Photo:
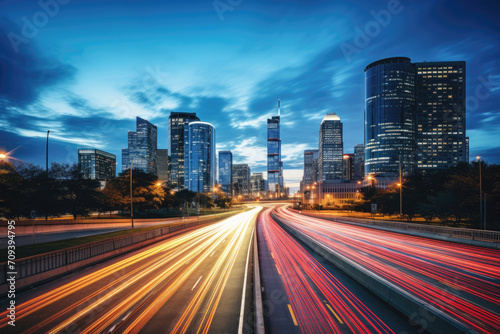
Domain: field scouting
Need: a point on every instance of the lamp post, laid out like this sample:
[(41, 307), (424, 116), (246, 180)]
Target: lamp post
[(400, 184), (480, 195), (131, 196), (47, 154)]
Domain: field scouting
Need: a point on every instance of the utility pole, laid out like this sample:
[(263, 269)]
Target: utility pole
[(131, 196)]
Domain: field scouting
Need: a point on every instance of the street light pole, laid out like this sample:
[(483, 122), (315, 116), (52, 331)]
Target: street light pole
[(131, 195), (400, 191), (480, 193), (47, 154)]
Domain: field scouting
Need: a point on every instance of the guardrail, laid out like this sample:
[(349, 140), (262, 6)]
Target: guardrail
[(42, 263), (449, 232)]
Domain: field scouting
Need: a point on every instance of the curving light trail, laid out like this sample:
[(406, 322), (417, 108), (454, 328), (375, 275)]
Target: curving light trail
[(124, 296), (459, 280), (334, 309)]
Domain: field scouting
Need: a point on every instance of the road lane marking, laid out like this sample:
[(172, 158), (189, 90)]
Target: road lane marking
[(293, 315), (212, 254), (335, 314), (242, 308), (279, 272), (195, 284)]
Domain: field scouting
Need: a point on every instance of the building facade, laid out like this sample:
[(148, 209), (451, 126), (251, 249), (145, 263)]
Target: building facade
[(142, 146), (199, 157), (96, 164), (414, 114), (331, 149), (274, 163), (359, 162), (348, 166), (226, 172), (241, 180), (310, 168), (440, 114), (257, 185), (163, 165), (176, 122), (389, 115)]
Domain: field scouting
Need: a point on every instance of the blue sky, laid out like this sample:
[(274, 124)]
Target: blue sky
[(85, 69)]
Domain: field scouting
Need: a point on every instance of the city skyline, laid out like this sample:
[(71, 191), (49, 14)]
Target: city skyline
[(91, 92)]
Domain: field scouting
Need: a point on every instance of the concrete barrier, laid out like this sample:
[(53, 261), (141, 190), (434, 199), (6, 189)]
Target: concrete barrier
[(480, 238), (258, 307), (416, 309)]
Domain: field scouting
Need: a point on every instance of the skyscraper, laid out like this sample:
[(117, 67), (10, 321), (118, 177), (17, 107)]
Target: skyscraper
[(440, 114), (226, 171), (257, 184), (241, 180), (142, 146), (199, 157), (389, 115), (310, 168), (359, 162), (348, 166), (162, 165), (331, 149), (176, 123), (274, 163), (416, 111), (96, 164)]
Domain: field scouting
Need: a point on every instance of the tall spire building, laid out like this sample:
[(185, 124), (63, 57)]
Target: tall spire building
[(274, 163)]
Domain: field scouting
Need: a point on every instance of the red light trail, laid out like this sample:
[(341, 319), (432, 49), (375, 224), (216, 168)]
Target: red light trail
[(460, 280)]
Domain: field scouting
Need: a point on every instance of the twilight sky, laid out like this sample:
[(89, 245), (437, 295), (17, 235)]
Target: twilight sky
[(85, 69)]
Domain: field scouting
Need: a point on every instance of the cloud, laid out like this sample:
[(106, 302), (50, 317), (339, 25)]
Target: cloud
[(25, 74)]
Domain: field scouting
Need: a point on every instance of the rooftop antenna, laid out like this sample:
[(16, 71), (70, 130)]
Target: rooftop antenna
[(278, 107)]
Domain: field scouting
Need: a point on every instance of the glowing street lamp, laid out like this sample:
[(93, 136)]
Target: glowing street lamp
[(3, 156)]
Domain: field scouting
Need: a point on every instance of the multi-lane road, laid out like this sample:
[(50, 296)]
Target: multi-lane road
[(197, 282), (201, 281)]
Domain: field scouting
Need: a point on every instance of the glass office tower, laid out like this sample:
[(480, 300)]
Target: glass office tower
[(359, 162), (241, 180), (96, 164), (176, 123), (310, 167), (226, 171), (440, 114), (199, 156), (162, 165), (389, 115), (142, 146), (331, 149)]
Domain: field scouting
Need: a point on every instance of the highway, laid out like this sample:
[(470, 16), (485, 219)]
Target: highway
[(195, 282), (459, 280), (304, 294)]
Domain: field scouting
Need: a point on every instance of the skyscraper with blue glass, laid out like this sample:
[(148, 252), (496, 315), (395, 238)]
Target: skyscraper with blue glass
[(142, 146), (274, 163), (199, 156), (389, 116), (226, 171), (176, 122)]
